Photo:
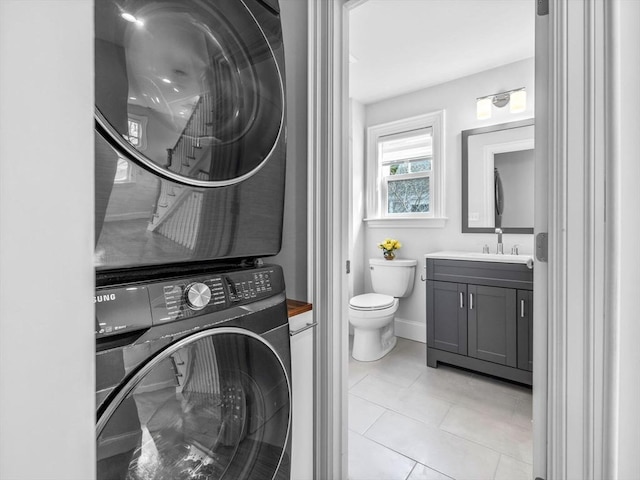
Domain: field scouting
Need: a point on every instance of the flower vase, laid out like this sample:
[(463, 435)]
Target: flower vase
[(389, 255)]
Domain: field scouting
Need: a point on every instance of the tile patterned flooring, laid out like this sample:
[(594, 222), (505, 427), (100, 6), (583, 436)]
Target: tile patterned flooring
[(411, 422)]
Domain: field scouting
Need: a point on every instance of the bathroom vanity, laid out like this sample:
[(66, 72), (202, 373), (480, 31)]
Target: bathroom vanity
[(480, 313)]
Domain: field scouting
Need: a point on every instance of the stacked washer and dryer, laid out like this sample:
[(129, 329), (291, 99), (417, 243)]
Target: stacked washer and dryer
[(192, 341)]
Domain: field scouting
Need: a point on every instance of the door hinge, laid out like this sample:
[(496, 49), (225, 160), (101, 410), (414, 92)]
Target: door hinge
[(543, 7), (348, 267), (542, 247)]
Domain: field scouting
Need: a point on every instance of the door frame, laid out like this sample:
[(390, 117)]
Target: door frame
[(585, 414), (541, 268), (326, 281), (592, 124)]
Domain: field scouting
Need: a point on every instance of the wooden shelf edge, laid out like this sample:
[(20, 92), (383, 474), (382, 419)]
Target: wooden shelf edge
[(296, 307)]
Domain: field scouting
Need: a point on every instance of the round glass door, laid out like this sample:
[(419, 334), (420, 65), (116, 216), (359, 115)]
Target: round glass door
[(190, 90), (215, 405)]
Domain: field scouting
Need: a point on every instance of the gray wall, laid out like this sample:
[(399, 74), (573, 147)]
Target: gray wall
[(293, 256)]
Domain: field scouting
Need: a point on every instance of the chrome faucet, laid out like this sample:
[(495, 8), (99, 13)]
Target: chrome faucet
[(500, 249)]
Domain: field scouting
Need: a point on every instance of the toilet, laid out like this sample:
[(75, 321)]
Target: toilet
[(371, 314)]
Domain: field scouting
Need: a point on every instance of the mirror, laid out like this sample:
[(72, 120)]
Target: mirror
[(498, 178)]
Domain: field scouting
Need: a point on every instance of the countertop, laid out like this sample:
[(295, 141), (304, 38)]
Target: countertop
[(483, 257), (296, 307)]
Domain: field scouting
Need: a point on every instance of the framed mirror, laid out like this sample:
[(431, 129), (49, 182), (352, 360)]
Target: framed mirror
[(498, 178)]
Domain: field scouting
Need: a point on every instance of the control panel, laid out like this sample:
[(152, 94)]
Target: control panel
[(247, 288), (139, 306), (185, 295), (120, 310)]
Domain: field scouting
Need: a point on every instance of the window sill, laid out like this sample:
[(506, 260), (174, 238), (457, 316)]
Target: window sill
[(406, 222)]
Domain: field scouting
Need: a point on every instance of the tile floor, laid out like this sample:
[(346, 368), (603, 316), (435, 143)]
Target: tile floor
[(411, 422)]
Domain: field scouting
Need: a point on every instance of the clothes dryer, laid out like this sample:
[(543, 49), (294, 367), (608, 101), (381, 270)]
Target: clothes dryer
[(190, 131), (193, 377)]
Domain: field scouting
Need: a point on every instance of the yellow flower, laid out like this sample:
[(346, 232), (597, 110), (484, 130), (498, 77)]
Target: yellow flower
[(389, 245)]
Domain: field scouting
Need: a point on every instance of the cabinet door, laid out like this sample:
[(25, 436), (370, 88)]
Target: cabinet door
[(302, 385), (492, 324), (447, 316), (525, 330)]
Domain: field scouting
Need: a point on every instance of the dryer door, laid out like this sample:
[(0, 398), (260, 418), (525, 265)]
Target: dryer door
[(215, 405), (189, 90)]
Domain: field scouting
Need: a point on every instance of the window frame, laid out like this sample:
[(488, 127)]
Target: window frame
[(142, 128), (386, 179), (377, 189), (130, 178), (142, 123)]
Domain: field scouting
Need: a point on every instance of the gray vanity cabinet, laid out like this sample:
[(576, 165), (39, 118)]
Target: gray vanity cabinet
[(480, 317)]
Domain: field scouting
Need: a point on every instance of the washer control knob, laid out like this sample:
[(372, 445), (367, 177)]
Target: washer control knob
[(197, 295)]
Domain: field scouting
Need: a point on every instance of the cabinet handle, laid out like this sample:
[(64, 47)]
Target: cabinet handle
[(461, 300), (522, 308), (471, 301), (300, 330)]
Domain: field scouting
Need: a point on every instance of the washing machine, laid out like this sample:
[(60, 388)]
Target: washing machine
[(190, 132), (193, 377)]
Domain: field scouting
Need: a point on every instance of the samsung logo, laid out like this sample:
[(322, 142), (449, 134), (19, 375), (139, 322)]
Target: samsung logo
[(107, 297)]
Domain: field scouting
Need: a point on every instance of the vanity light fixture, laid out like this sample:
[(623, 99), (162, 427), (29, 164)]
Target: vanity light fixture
[(517, 99)]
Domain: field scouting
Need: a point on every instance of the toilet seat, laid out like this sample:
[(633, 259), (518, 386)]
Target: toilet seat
[(371, 302)]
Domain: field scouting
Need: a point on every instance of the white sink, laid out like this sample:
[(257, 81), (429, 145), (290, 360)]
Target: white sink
[(483, 257)]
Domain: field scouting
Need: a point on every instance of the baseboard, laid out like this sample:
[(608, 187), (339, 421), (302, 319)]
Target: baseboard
[(411, 330), (119, 217)]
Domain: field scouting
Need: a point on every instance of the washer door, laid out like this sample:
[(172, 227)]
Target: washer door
[(215, 405), (190, 90)]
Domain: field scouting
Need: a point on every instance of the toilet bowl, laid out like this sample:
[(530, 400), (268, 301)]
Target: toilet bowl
[(372, 314)]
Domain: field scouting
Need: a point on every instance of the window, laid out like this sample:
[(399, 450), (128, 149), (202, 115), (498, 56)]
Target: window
[(137, 127), (405, 161), (135, 133), (124, 172), (405, 179)]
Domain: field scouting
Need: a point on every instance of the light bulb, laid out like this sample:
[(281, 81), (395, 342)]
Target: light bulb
[(518, 102), (128, 17), (483, 108)]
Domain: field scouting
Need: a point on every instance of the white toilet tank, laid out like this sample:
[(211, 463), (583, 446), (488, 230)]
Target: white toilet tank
[(392, 277)]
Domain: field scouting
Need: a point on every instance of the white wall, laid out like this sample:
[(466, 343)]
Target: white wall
[(47, 362), (293, 256), (458, 99)]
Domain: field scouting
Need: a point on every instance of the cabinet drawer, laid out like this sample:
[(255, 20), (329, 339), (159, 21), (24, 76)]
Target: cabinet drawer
[(507, 275)]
